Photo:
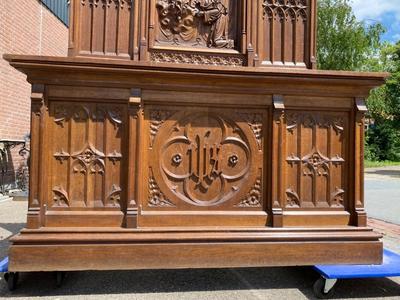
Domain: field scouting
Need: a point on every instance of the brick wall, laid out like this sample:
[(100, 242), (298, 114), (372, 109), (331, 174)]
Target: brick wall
[(26, 27)]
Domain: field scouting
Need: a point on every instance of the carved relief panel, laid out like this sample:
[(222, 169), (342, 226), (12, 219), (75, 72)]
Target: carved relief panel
[(204, 159), (316, 158), (197, 23), (103, 28), (210, 29), (287, 32), (86, 155)]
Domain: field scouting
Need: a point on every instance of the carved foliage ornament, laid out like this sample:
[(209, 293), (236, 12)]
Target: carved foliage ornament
[(114, 197), (195, 23), (254, 197), (255, 121), (82, 113), (157, 117), (156, 197), (197, 59), (309, 121), (107, 3), (61, 197)]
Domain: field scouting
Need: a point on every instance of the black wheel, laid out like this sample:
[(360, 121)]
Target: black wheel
[(12, 280), (6, 276), (319, 289), (60, 278)]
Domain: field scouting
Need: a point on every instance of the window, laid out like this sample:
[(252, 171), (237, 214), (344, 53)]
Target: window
[(59, 8)]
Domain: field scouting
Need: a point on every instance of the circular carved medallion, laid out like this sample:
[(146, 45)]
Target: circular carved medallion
[(203, 158)]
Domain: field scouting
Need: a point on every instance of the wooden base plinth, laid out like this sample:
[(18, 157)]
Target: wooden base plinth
[(84, 249)]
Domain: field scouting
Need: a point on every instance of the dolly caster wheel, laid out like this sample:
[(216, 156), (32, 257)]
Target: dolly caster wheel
[(12, 280), (324, 288), (60, 278)]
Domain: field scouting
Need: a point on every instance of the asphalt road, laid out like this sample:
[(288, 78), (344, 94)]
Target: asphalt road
[(382, 195)]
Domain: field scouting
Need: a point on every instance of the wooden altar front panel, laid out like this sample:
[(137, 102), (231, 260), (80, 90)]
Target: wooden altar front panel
[(204, 166), (145, 160), (257, 33), (122, 160)]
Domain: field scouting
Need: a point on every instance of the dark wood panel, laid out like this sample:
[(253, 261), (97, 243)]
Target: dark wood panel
[(223, 32), (241, 166), (86, 156), (102, 28), (189, 255)]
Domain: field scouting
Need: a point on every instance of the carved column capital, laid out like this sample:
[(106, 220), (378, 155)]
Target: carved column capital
[(279, 107), (136, 97), (361, 109), (279, 102), (37, 92)]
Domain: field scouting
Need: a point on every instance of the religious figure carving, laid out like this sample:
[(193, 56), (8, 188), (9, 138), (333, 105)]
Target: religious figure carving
[(215, 14), (198, 22)]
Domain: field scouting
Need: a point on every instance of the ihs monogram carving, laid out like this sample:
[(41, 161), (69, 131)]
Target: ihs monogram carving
[(156, 197), (197, 59), (195, 23), (254, 197), (108, 3), (204, 159), (282, 9)]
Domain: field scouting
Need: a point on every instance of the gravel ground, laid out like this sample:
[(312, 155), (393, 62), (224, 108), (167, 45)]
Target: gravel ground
[(257, 283)]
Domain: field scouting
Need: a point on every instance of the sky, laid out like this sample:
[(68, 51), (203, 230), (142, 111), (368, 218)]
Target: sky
[(385, 11)]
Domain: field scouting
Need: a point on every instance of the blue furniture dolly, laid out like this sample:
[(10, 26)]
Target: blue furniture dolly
[(12, 277), (330, 274), (323, 288)]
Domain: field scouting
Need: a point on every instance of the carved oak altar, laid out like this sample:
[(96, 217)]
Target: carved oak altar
[(170, 138)]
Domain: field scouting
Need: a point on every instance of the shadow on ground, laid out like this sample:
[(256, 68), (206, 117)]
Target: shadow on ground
[(181, 281), (11, 229)]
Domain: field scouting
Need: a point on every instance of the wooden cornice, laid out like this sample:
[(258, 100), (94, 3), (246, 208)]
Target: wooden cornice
[(119, 73)]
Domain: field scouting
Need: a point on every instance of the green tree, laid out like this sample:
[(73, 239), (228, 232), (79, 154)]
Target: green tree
[(344, 43), (383, 138)]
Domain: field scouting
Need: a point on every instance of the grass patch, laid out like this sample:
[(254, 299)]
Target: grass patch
[(378, 164)]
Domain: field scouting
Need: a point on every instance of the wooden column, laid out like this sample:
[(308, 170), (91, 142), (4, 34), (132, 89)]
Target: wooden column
[(359, 211), (143, 32), (277, 160), (133, 132), (38, 162), (313, 35)]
